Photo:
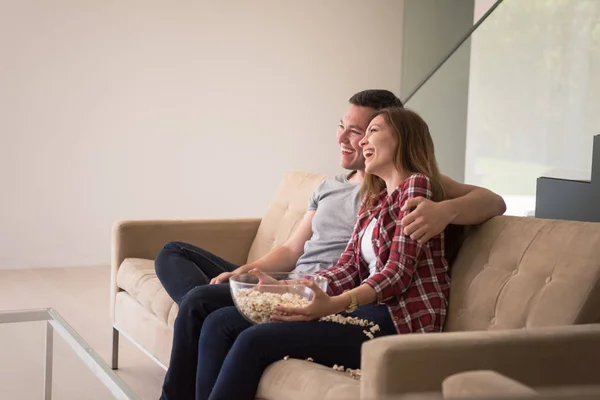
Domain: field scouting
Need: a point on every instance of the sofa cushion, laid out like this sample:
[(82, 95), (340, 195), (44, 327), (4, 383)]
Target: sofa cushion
[(143, 327), (298, 379), (285, 212), (137, 277), (516, 272)]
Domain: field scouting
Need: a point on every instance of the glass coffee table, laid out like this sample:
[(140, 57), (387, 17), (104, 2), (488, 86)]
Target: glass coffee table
[(41, 356)]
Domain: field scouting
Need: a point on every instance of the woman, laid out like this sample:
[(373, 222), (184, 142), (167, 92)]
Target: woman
[(383, 276)]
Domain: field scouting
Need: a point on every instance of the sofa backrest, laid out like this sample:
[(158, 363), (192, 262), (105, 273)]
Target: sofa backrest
[(517, 272), (285, 212)]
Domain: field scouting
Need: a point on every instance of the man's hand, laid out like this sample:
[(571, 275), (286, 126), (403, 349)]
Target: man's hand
[(264, 279), (427, 220), (223, 278)]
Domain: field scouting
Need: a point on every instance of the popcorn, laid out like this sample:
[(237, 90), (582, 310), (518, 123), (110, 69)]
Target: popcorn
[(286, 358), (354, 373), (353, 321), (310, 359), (259, 306), (346, 320)]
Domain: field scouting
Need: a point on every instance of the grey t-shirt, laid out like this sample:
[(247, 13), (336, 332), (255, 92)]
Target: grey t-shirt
[(336, 201)]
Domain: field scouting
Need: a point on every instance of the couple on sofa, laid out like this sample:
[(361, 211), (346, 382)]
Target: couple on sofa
[(378, 234)]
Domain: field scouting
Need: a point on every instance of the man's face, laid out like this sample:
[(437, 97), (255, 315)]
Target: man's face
[(351, 130)]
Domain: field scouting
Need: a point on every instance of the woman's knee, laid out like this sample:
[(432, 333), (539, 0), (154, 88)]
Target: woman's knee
[(255, 337)]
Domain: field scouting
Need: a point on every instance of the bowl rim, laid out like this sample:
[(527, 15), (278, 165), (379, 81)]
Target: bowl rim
[(316, 278)]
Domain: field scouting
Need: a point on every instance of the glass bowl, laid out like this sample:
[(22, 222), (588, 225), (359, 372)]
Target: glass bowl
[(256, 301)]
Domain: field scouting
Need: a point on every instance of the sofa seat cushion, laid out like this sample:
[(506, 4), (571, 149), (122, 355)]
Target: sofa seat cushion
[(298, 379), (137, 277)]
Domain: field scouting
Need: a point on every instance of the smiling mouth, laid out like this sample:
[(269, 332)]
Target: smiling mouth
[(368, 153), (346, 151)]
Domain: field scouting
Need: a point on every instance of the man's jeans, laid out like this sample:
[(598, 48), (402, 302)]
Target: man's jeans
[(185, 271)]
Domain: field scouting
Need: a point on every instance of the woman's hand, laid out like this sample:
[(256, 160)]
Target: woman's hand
[(320, 306)]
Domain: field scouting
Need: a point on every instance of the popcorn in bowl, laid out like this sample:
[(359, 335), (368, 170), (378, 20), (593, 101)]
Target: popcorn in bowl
[(256, 298)]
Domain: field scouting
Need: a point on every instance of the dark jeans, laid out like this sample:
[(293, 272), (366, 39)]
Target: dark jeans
[(185, 271), (235, 353), (181, 267)]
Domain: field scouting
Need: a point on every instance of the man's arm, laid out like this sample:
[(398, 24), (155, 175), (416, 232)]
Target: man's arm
[(282, 258), (467, 205)]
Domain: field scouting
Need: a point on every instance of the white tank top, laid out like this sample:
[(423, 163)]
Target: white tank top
[(366, 247)]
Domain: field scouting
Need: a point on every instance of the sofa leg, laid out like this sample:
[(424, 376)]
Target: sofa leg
[(115, 349)]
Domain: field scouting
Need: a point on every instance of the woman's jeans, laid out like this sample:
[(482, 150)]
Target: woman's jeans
[(185, 271), (233, 353)]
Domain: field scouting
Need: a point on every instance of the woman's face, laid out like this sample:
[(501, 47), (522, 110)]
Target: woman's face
[(379, 147)]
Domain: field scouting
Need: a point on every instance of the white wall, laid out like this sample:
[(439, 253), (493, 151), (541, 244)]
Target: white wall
[(481, 7), (170, 109), (431, 29)]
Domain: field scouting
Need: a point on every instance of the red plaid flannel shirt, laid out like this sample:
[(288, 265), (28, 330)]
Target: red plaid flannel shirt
[(411, 278)]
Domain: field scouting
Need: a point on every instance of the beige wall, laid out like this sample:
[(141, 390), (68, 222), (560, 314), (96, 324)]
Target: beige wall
[(170, 109)]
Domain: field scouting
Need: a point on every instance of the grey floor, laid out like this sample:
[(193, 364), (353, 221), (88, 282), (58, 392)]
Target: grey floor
[(81, 296)]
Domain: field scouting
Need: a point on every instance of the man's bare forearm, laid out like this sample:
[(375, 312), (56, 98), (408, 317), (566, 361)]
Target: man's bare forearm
[(280, 259), (475, 207)]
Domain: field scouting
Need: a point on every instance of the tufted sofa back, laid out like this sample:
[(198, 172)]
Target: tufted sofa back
[(510, 272), (285, 212), (514, 272)]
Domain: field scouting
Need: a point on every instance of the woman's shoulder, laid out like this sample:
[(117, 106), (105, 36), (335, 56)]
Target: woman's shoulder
[(414, 182), (417, 179), (415, 185)]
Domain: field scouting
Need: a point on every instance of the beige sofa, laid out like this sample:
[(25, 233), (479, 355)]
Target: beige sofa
[(488, 384), (512, 275), (559, 362)]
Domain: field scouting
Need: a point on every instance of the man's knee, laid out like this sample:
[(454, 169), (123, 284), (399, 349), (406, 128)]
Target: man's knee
[(161, 262), (171, 247), (193, 300), (215, 320), (202, 299)]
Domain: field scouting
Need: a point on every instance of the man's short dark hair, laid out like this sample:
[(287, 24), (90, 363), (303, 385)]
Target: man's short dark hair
[(377, 99)]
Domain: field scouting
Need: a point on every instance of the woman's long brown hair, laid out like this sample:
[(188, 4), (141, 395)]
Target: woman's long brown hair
[(415, 153)]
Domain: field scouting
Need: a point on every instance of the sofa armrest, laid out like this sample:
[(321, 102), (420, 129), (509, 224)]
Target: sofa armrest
[(227, 238), (402, 364), (484, 385)]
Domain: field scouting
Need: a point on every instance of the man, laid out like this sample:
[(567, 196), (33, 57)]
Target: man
[(317, 243)]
